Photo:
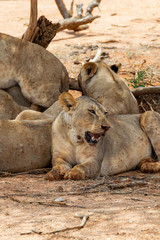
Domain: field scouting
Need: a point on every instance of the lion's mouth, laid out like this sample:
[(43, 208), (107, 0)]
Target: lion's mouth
[(93, 138)]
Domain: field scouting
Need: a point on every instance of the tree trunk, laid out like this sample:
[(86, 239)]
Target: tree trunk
[(45, 32), (32, 22)]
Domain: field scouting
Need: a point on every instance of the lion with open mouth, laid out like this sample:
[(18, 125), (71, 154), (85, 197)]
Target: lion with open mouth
[(77, 135), (87, 142)]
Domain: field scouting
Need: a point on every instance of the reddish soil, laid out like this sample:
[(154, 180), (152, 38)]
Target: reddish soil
[(126, 206)]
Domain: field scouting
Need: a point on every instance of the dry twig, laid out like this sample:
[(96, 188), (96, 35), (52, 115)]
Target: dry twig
[(48, 203), (83, 222)]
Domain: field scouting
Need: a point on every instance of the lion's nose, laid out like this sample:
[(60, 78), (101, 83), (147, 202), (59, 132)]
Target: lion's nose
[(104, 127)]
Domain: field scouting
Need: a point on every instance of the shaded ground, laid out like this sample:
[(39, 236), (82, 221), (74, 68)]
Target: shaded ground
[(126, 206), (120, 207)]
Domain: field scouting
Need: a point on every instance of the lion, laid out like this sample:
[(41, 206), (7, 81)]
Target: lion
[(25, 145), (87, 142), (99, 81), (41, 76), (49, 114)]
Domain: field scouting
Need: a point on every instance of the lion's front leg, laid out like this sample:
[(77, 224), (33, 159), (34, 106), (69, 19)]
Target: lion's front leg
[(60, 167), (89, 169), (150, 123)]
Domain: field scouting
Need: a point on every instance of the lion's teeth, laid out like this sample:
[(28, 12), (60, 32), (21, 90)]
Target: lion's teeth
[(95, 137)]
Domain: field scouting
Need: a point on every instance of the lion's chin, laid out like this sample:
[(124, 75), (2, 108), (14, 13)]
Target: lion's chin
[(93, 138)]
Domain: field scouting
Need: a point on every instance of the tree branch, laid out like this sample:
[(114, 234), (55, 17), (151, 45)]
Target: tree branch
[(92, 5), (62, 8), (79, 8), (32, 22), (73, 23)]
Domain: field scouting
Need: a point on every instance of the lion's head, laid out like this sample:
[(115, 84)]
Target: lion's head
[(101, 82), (86, 117)]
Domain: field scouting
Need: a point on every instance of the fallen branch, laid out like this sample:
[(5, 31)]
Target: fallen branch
[(92, 5), (43, 31), (146, 90), (83, 222), (49, 203), (73, 23)]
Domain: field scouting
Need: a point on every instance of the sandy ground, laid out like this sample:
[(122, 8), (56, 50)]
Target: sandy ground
[(120, 207)]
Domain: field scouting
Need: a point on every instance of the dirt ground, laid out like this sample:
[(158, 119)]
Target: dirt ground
[(126, 206)]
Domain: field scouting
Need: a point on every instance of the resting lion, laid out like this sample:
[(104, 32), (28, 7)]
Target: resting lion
[(86, 142), (99, 81), (24, 145), (40, 75)]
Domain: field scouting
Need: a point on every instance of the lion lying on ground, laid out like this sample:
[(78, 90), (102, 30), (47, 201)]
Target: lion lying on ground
[(99, 81), (87, 142), (24, 145)]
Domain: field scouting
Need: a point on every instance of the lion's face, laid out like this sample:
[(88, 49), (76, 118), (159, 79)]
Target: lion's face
[(88, 118)]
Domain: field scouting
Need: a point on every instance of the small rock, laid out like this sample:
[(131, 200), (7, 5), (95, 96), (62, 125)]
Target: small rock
[(74, 53), (59, 200)]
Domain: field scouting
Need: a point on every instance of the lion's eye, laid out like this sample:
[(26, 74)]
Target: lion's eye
[(106, 113), (92, 112)]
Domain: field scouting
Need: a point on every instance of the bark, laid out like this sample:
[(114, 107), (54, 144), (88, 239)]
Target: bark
[(45, 32), (32, 22)]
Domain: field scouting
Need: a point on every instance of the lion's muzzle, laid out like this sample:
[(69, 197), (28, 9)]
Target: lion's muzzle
[(94, 138)]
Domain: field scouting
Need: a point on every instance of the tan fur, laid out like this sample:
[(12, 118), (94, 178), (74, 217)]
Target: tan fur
[(69, 145), (128, 141), (15, 92), (24, 145), (9, 109), (33, 115), (50, 114), (40, 75), (98, 81)]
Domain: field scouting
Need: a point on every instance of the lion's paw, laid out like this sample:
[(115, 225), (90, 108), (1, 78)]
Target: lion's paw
[(55, 174), (150, 167), (75, 174), (144, 160), (147, 165)]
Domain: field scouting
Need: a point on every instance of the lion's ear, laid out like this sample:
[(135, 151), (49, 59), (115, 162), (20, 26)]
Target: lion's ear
[(89, 69), (67, 101), (115, 67)]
